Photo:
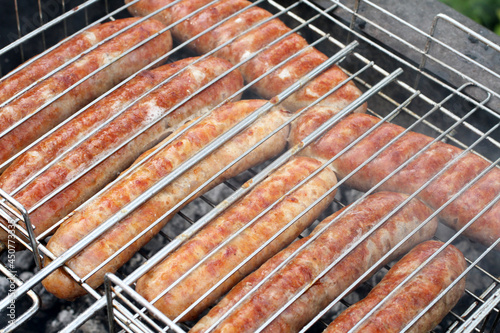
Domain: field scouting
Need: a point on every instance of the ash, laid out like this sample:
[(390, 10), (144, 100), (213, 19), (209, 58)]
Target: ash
[(54, 313)]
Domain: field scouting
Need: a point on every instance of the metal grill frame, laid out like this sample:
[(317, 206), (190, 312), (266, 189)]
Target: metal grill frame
[(116, 287)]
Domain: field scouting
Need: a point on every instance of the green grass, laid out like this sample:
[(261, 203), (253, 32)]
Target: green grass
[(484, 12)]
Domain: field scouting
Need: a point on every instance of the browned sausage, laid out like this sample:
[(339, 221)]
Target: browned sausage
[(118, 131), (12, 84), (410, 299), (113, 199), (485, 230), (255, 40), (61, 140), (228, 257), (169, 15), (314, 258), (244, 287), (49, 116), (206, 19)]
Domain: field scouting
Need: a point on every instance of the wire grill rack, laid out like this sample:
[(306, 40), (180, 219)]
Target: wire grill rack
[(428, 84)]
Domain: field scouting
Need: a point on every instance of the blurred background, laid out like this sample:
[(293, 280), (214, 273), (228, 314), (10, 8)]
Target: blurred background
[(484, 12)]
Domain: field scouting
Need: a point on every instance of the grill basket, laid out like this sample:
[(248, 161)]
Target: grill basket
[(428, 73)]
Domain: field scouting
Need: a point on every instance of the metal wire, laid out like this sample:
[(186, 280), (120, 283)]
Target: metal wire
[(18, 24), (146, 230), (36, 302), (59, 261), (319, 232), (129, 320), (460, 26)]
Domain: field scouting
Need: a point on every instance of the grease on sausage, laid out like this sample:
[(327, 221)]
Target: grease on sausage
[(486, 229), (96, 212), (71, 101), (225, 259), (314, 258), (397, 311)]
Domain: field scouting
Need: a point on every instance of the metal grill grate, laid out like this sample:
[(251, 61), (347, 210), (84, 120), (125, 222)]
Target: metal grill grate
[(431, 95)]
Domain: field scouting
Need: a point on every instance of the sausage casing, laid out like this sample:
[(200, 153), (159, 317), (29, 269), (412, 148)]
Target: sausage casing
[(61, 140), (60, 55), (225, 259), (255, 40), (486, 229), (69, 102), (411, 298), (134, 119), (112, 199), (315, 257)]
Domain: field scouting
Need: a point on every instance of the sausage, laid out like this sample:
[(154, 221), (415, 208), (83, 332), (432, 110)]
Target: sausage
[(61, 140), (170, 15), (206, 19), (69, 102), (203, 21), (309, 121), (244, 287), (135, 118), (256, 40), (225, 259), (159, 165), (413, 297), (485, 230), (315, 257), (14, 83)]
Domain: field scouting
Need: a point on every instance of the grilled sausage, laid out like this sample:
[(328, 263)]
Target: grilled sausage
[(69, 102), (71, 48), (413, 297), (308, 122), (135, 118), (169, 15), (225, 259), (314, 258), (212, 36), (485, 230), (255, 40), (60, 141), (244, 287), (158, 166)]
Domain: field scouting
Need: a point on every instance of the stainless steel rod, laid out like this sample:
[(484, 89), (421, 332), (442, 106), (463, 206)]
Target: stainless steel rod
[(46, 26), (160, 147), (59, 261), (85, 137), (310, 138)]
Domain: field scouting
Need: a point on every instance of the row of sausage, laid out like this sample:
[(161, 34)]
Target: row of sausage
[(177, 108)]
